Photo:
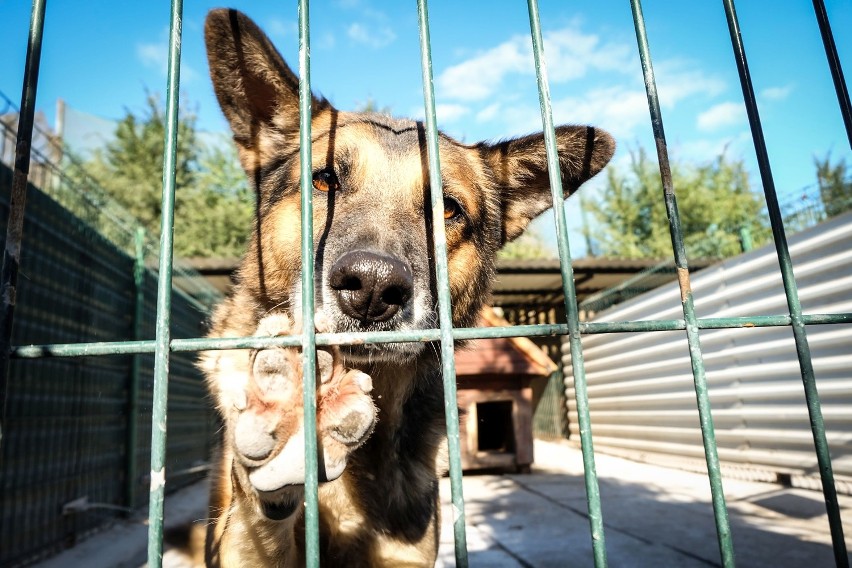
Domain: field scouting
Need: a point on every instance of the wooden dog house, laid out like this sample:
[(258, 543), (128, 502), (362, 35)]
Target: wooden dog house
[(496, 399)]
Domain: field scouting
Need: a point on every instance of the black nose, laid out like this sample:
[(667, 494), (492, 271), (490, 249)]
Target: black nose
[(370, 287)]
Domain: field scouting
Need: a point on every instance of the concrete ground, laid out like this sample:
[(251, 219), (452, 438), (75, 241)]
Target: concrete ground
[(653, 517)]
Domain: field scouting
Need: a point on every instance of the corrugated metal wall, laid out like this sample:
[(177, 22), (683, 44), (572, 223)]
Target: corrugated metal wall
[(67, 427), (641, 392)]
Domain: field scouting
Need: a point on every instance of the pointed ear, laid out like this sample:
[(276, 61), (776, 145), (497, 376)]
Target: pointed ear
[(255, 87), (519, 167)]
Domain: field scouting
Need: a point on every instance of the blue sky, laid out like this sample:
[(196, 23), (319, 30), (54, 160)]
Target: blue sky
[(101, 59)]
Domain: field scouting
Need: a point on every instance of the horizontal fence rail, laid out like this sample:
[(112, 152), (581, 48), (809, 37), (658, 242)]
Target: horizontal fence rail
[(164, 345)]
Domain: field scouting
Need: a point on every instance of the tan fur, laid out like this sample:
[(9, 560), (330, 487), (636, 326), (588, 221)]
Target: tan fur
[(383, 509)]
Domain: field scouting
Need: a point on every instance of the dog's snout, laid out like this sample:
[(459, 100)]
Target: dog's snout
[(371, 287)]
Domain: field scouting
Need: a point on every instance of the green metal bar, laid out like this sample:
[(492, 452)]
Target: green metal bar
[(18, 201), (591, 328), (720, 509), (164, 298), (135, 369), (593, 497), (312, 555), (448, 364), (791, 290), (835, 67)]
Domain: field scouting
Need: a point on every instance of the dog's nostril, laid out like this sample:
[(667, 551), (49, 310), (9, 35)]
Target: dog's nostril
[(394, 296), (371, 287), (350, 283)]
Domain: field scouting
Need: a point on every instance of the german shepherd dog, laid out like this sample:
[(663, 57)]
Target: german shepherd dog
[(380, 408)]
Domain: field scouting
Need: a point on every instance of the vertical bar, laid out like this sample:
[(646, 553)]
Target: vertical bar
[(834, 66), (444, 307), (708, 434), (312, 558), (791, 290), (164, 298), (593, 497), (18, 200), (135, 369)]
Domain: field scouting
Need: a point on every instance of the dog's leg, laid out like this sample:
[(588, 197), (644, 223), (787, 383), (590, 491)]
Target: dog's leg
[(260, 397)]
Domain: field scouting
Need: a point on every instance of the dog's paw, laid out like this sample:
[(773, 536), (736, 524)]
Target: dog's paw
[(268, 432)]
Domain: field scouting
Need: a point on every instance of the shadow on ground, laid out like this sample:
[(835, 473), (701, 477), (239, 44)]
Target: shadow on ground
[(653, 517)]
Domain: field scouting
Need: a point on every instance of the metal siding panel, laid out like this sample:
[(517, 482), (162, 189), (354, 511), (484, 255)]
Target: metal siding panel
[(640, 384)]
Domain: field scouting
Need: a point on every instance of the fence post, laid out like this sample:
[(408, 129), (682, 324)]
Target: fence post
[(791, 291), (448, 368), (708, 433), (164, 298), (309, 378), (18, 201), (135, 368)]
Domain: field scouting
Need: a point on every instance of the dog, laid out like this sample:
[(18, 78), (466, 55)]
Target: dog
[(380, 408)]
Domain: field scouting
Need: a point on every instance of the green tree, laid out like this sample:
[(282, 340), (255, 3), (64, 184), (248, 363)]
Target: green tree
[(130, 166), (714, 199), (835, 185), (215, 214), (213, 204)]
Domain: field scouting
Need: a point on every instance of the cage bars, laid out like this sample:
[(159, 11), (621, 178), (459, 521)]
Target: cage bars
[(790, 290), (590, 478), (834, 67), (18, 200), (439, 242), (421, 335), (164, 297), (308, 336), (163, 345), (708, 434)]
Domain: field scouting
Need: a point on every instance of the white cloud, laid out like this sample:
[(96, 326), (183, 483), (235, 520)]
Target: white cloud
[(678, 80), (704, 149), (721, 116), (450, 112), (569, 54), (478, 77), (488, 112), (374, 37), (595, 80), (776, 93), (280, 29), (156, 56)]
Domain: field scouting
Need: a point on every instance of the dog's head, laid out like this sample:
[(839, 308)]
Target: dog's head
[(373, 236)]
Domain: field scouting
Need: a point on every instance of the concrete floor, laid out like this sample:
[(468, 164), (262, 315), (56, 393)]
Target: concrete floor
[(653, 517)]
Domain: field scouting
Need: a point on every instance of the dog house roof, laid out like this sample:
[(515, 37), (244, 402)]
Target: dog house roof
[(503, 356)]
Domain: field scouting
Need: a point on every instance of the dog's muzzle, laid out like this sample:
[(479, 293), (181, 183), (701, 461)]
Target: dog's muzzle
[(369, 287)]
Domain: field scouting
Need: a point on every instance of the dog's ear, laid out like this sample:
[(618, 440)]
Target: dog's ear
[(519, 167), (255, 87)]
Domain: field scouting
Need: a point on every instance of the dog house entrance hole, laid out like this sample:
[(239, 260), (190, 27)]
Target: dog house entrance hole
[(495, 432)]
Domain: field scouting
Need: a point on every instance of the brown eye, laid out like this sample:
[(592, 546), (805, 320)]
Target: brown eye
[(452, 209), (326, 180)]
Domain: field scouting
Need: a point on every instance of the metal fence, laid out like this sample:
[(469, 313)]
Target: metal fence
[(76, 432), (639, 393), (164, 346)]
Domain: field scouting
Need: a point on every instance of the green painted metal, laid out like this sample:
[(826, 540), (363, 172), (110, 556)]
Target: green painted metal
[(443, 287), (835, 67), (18, 201), (163, 345), (593, 497), (591, 328), (312, 555), (135, 370), (720, 510), (791, 290), (164, 297)]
